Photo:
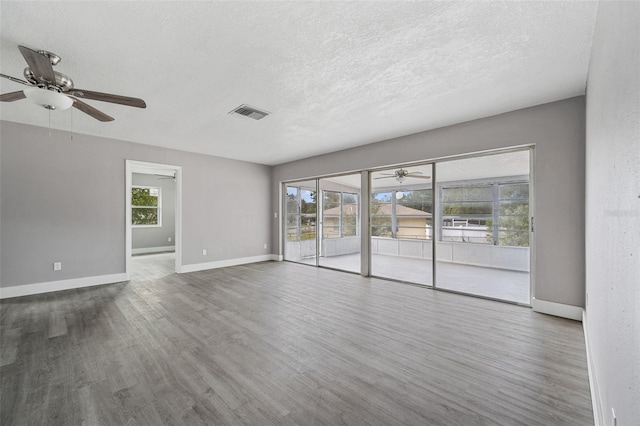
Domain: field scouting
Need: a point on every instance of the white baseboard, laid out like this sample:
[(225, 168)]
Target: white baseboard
[(277, 257), (598, 418), (557, 309), (46, 287), (225, 263), (146, 250)]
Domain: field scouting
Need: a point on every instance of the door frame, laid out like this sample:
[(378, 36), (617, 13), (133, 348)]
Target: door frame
[(132, 166)]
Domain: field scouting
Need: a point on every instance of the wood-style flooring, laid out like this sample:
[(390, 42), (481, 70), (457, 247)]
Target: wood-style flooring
[(279, 343)]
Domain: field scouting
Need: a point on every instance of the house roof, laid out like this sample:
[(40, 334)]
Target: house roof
[(334, 75), (385, 210)]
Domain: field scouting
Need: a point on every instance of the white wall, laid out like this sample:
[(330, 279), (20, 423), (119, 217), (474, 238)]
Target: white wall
[(613, 211), (556, 129), (64, 200)]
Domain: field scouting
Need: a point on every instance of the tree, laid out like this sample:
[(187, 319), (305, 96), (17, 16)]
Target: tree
[(513, 225), (144, 203), (380, 225), (418, 199)]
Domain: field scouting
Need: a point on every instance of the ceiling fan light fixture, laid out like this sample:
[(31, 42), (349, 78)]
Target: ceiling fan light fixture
[(50, 99)]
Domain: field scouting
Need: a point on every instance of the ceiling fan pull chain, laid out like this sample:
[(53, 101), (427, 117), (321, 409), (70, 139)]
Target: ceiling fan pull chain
[(49, 124), (71, 112)]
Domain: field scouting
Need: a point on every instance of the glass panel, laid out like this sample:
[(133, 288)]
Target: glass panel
[(144, 197), (144, 216), (300, 218), (519, 191), (514, 239), (340, 243), (308, 211), (514, 215), (468, 193), (292, 214), (401, 217), (483, 236), (514, 208)]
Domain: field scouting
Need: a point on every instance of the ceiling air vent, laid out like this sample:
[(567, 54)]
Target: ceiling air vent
[(249, 111)]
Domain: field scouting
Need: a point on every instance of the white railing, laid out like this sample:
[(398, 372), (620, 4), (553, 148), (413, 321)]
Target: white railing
[(486, 255)]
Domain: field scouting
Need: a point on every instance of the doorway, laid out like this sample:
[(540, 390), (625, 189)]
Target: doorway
[(153, 219)]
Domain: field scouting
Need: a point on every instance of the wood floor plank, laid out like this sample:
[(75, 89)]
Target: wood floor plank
[(284, 344)]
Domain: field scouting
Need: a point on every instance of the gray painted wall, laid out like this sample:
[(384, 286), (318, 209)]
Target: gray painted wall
[(64, 200), (557, 130), (613, 210), (157, 236)]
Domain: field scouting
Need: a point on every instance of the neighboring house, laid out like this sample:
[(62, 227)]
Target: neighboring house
[(335, 226), (410, 223)]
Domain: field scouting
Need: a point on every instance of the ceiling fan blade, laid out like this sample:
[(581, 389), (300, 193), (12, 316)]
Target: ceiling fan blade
[(419, 177), (414, 173), (107, 97), (16, 80), (88, 109), (40, 65), (13, 96), (385, 177)]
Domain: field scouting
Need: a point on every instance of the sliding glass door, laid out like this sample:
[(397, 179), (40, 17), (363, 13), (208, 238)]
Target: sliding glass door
[(484, 227), (322, 222), (340, 222), (461, 225), (301, 222), (401, 218)]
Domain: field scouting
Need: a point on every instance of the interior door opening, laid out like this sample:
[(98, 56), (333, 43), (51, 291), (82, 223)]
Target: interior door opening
[(153, 219)]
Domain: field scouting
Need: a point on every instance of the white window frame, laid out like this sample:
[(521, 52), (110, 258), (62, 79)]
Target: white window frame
[(159, 207)]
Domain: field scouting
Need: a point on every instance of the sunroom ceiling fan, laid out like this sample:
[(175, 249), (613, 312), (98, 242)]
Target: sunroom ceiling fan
[(401, 174), (54, 90)]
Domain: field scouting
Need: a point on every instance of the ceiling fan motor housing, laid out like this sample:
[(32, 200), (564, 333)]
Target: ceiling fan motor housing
[(63, 82)]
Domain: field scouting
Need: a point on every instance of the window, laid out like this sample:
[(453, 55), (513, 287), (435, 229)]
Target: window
[(146, 205), (381, 215), (350, 209), (340, 214), (494, 213), (402, 214), (513, 217), (301, 213), (467, 213)]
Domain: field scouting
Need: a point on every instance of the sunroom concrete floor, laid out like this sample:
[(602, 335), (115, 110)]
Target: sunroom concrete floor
[(512, 286)]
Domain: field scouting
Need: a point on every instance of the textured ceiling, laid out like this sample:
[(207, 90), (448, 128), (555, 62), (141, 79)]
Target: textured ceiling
[(333, 74)]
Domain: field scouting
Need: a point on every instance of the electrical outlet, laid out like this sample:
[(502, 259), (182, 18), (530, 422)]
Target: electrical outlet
[(275, 215), (204, 252), (265, 245), (169, 239), (57, 266)]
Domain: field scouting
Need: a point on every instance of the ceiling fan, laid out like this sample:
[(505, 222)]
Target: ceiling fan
[(401, 174), (54, 90)]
